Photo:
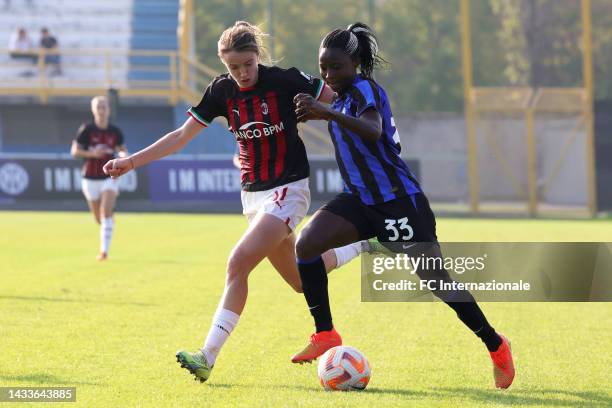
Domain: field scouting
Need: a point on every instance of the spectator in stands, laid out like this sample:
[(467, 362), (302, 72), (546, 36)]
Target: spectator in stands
[(20, 46), (7, 4), (50, 44), (96, 143)]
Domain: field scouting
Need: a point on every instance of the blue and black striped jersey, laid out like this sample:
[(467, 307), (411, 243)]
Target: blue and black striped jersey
[(374, 172)]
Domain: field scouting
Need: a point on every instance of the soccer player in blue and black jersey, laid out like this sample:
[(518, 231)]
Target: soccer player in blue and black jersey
[(382, 197)]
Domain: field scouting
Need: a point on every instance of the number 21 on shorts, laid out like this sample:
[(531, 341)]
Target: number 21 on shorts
[(399, 229)]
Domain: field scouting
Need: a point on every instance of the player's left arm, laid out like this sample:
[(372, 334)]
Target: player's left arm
[(368, 125)]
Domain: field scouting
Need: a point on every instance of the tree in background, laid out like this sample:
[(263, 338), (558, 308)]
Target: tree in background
[(515, 42)]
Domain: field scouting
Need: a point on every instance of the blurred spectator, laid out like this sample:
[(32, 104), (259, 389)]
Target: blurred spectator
[(7, 4), (20, 46), (50, 44)]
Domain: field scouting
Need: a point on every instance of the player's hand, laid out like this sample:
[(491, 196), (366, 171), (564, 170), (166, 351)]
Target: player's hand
[(118, 167), (308, 108)]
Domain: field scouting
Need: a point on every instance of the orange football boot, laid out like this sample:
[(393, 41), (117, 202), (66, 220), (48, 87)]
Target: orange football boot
[(319, 343), (503, 366)]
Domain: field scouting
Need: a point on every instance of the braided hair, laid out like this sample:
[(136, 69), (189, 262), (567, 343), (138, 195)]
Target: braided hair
[(359, 42)]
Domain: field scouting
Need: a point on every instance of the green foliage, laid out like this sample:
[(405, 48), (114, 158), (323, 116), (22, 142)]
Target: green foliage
[(515, 42)]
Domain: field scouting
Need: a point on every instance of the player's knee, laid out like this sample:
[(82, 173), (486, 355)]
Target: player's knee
[(297, 286), (106, 213), (306, 247), (237, 268)]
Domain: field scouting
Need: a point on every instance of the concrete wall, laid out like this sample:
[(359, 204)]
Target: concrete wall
[(439, 142)]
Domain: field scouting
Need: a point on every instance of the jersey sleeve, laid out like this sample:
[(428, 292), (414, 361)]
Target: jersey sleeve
[(209, 107), (363, 97), (82, 137), (300, 82)]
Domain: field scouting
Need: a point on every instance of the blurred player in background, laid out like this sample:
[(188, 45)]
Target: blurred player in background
[(382, 197), (96, 143), (257, 101)]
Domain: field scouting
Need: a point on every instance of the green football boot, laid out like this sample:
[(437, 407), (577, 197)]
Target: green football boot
[(196, 364)]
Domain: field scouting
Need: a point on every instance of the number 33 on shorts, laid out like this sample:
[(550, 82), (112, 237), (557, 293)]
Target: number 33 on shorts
[(399, 229)]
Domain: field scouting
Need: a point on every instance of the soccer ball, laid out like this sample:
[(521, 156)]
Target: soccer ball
[(343, 368)]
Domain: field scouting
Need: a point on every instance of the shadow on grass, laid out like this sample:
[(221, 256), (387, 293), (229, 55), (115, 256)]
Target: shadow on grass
[(295, 387), (399, 393), (263, 386), (43, 380), (533, 397), (49, 299), (544, 397)]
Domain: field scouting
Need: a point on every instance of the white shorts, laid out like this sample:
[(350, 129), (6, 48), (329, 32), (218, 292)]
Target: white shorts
[(92, 189), (288, 202)]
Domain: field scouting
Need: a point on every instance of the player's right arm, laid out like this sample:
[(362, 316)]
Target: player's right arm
[(166, 145)]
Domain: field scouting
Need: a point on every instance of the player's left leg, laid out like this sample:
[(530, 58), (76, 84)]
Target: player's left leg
[(283, 260), (421, 219), (108, 198), (94, 208)]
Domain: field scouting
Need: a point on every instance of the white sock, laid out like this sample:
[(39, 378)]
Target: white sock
[(222, 325), (346, 253), (106, 234)]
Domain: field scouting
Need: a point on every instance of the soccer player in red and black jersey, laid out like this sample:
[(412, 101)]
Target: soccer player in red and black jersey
[(96, 143), (257, 102)]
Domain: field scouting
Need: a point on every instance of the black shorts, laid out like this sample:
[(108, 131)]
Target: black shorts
[(407, 219)]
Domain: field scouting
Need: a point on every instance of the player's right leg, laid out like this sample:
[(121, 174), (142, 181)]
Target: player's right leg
[(94, 208), (91, 191), (282, 259), (423, 224), (264, 234), (324, 231)]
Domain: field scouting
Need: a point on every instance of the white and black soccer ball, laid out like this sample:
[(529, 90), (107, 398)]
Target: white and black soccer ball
[(344, 368)]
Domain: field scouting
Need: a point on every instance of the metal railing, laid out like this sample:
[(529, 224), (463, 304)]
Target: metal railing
[(162, 75), (88, 72)]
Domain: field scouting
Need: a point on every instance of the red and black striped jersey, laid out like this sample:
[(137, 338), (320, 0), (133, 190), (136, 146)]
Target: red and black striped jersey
[(88, 137), (262, 118)]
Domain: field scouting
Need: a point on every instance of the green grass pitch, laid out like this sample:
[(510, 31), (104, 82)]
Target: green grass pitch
[(111, 329)]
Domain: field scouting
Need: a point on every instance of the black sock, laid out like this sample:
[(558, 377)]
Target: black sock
[(314, 285), (471, 315), (464, 304)]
